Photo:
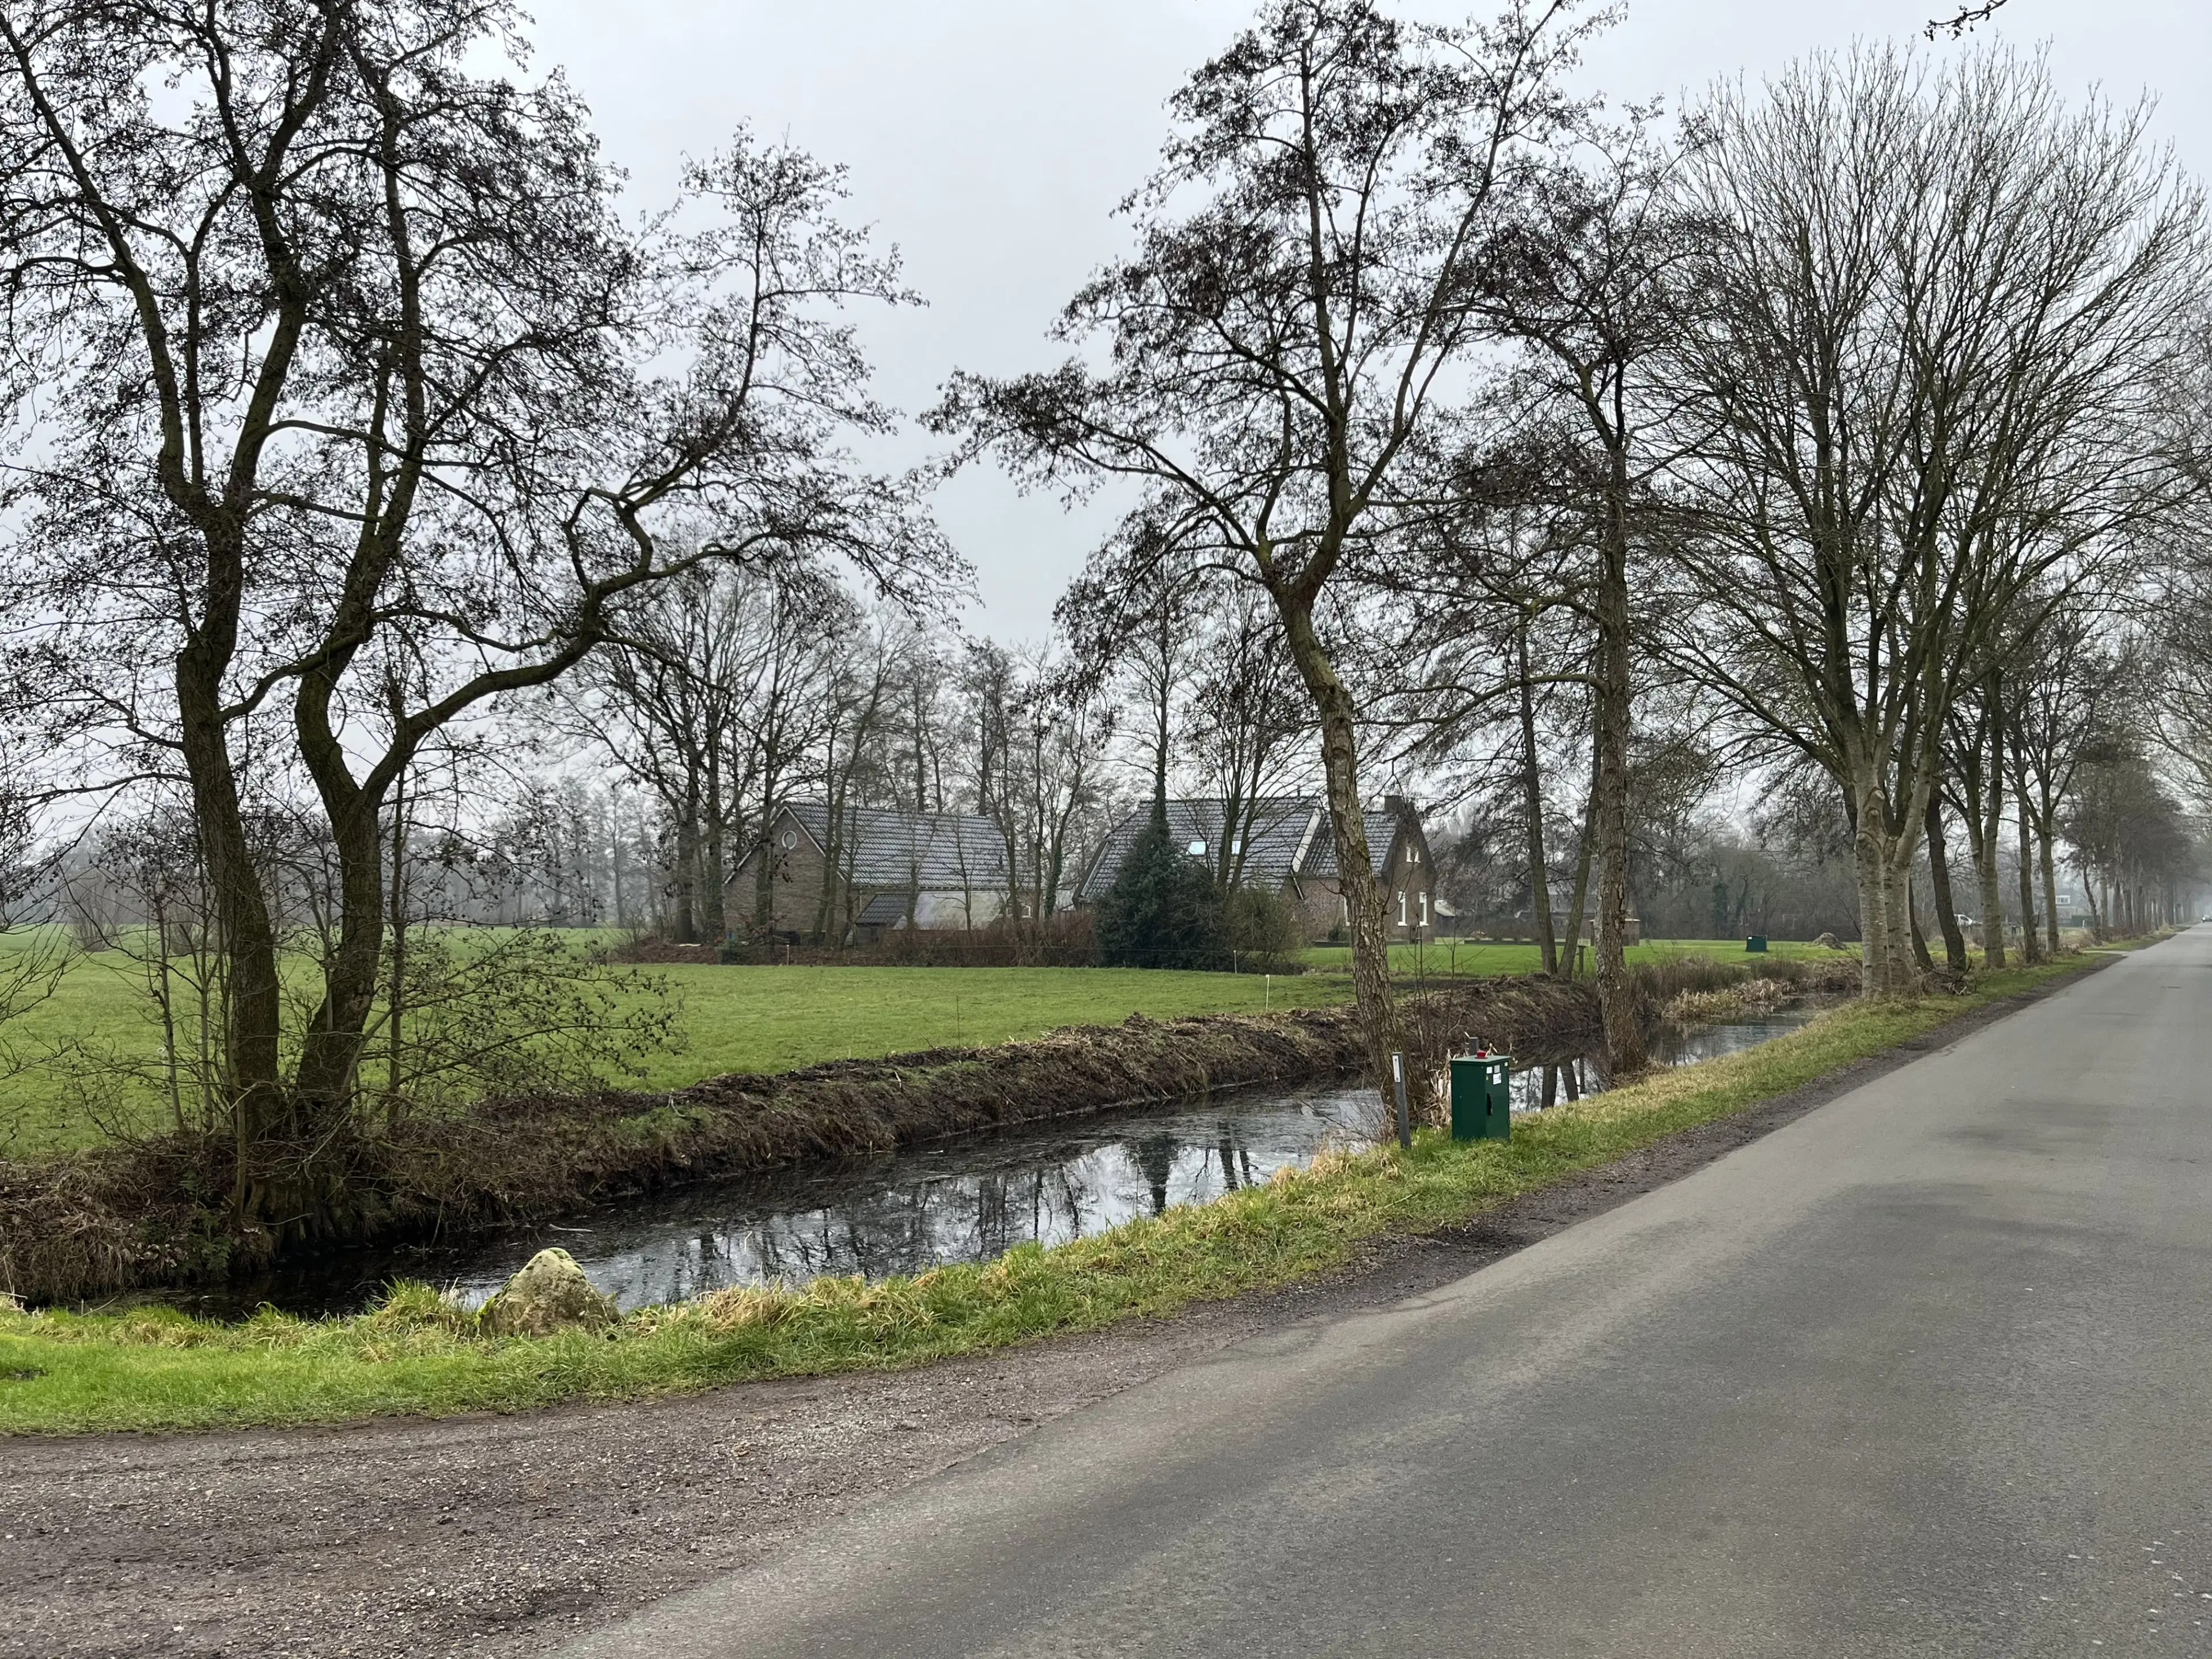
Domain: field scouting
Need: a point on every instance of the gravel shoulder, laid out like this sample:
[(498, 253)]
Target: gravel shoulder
[(500, 1535)]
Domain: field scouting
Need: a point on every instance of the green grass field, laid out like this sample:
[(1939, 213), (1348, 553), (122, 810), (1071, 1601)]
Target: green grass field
[(775, 1018), (731, 1020), (156, 1368), (1443, 959)]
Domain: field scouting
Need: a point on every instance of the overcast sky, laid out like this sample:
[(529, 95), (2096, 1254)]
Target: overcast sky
[(991, 139)]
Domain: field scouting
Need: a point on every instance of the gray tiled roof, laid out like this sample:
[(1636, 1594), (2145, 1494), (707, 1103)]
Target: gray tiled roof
[(1286, 836), (884, 848), (1283, 836), (1381, 830), (884, 910)]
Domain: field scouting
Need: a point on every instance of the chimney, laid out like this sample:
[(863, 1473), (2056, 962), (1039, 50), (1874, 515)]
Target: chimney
[(1395, 804)]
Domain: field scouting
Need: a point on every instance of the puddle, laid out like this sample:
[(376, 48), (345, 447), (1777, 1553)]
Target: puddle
[(965, 1201)]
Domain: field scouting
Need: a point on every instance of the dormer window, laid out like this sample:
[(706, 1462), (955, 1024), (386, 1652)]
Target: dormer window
[(1198, 850)]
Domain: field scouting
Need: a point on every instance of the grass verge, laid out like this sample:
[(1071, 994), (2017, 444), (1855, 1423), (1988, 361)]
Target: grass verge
[(155, 1369)]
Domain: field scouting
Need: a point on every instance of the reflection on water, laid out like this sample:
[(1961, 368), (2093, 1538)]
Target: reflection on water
[(967, 1201), (1535, 1087)]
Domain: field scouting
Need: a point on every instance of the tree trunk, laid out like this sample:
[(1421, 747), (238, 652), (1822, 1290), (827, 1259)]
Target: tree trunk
[(251, 1086), (1990, 836), (1532, 804), (1624, 1037), (2049, 883), (1355, 872), (1939, 880), (1577, 905), (1888, 967), (714, 921), (1920, 956), (2031, 939), (687, 872)]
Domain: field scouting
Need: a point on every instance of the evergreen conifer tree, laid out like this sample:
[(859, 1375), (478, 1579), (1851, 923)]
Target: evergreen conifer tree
[(1163, 910)]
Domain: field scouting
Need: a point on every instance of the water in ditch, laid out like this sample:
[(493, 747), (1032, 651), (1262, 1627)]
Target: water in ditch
[(963, 1200)]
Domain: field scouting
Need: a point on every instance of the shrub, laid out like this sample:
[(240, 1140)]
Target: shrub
[(1264, 932), (1163, 910)]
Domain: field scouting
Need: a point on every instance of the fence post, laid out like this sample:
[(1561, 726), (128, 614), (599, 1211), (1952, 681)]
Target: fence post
[(1405, 1117)]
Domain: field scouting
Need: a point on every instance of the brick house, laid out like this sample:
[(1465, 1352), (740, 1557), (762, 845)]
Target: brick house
[(1287, 846), (882, 868)]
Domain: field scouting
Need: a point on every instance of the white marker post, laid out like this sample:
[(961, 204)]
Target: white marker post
[(1405, 1117)]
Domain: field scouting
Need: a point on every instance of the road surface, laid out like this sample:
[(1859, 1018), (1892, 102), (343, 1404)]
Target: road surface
[(1924, 1372)]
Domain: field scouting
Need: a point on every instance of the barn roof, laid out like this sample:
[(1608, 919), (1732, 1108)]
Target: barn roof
[(886, 847), (1382, 831), (1287, 835)]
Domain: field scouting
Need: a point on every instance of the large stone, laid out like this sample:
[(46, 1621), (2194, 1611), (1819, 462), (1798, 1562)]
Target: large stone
[(549, 1294)]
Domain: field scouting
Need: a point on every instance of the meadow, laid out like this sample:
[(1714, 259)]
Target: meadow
[(749, 1018)]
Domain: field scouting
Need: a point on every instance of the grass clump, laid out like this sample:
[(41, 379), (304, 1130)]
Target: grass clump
[(152, 1368)]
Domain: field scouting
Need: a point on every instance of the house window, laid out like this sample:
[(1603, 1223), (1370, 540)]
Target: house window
[(1424, 910), (1198, 850), (790, 839), (1401, 909)]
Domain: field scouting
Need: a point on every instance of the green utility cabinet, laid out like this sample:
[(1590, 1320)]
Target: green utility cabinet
[(1481, 1098), (1756, 944)]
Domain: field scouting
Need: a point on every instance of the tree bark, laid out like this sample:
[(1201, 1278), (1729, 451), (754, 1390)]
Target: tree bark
[(1888, 968), (2050, 884), (248, 940), (714, 921), (687, 872), (2031, 939), (1532, 804), (1624, 1037), (1990, 836), (1577, 905), (1939, 880), (1363, 899)]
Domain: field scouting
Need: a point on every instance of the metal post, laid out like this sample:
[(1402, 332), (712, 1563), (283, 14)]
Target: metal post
[(1405, 1117)]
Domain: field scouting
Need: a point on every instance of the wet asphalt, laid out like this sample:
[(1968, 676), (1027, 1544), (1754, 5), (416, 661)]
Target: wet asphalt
[(1926, 1371)]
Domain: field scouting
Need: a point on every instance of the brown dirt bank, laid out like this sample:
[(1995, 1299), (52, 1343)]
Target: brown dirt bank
[(152, 1212), (502, 1536)]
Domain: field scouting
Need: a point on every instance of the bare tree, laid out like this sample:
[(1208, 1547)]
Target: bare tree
[(1921, 346), (1246, 714), (341, 367), (1277, 340), (1579, 276)]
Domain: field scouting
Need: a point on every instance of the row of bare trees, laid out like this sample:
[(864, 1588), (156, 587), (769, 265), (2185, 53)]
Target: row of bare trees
[(1849, 427), (1826, 427)]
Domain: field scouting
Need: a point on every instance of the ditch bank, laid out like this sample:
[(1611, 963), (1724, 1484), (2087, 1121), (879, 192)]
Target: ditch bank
[(152, 1213)]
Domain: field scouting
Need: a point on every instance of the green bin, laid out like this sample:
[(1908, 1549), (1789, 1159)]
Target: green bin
[(1756, 945), (1481, 1098)]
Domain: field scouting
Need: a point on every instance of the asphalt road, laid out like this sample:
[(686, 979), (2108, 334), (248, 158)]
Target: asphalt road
[(1924, 1372)]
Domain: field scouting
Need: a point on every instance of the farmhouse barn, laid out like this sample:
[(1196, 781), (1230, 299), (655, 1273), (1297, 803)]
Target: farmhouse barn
[(1285, 846), (878, 868)]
